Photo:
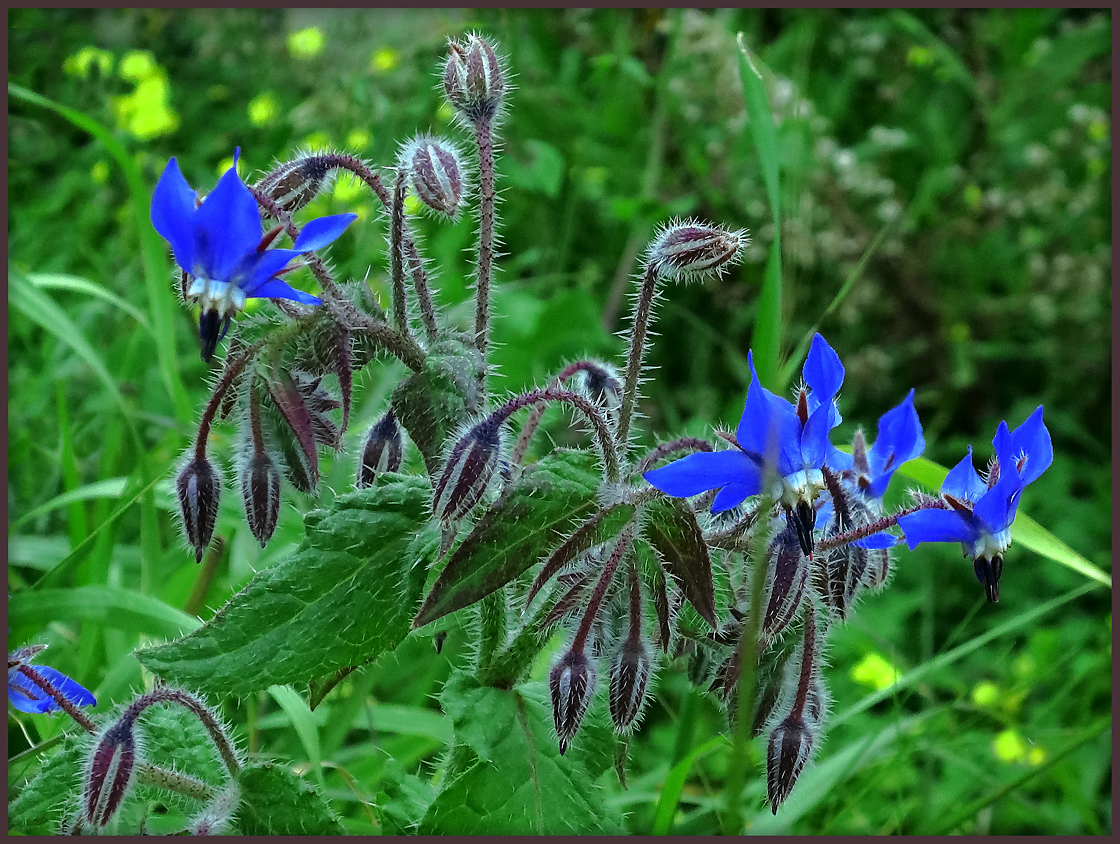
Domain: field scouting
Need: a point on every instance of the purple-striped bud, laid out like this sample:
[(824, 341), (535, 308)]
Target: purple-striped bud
[(199, 488), (473, 79), (630, 672), (601, 384), (470, 468), (791, 744), (572, 683), (382, 452), (435, 171), (689, 250), (295, 183), (110, 772), (787, 587), (260, 490)]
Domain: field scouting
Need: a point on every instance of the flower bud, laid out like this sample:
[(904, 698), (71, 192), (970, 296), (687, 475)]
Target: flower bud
[(294, 184), (787, 587), (382, 452), (473, 79), (260, 489), (684, 251), (300, 455), (468, 472), (216, 818), (602, 385), (630, 672), (572, 683), (110, 771), (436, 174), (791, 744), (318, 403), (199, 489)]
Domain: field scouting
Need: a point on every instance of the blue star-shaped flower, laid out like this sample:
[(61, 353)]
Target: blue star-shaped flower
[(25, 696), (773, 436), (982, 511), (219, 244)]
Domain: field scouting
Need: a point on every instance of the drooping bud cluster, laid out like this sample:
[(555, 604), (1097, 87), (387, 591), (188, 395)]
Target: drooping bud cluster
[(435, 172), (689, 250), (473, 79), (295, 183), (382, 452), (110, 771), (468, 471)]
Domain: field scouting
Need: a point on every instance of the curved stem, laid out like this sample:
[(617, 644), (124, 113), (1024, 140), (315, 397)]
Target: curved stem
[(636, 352), (229, 374), (601, 587), (535, 415), (396, 258), (672, 447)]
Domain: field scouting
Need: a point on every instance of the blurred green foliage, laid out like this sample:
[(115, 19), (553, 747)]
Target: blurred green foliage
[(975, 145)]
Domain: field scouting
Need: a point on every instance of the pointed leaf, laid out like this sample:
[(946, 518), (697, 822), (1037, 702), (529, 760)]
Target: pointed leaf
[(674, 534), (345, 597), (545, 501)]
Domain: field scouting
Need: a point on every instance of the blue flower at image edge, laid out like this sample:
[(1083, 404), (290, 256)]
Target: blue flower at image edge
[(219, 244), (25, 696), (982, 511), (773, 436)]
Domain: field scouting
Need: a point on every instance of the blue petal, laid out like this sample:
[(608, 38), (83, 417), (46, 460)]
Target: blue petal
[(172, 214), (1032, 438), (258, 267), (837, 460), (731, 496), (227, 227), (878, 541), (278, 289), (936, 526), (824, 515), (899, 437), (824, 374), (27, 697), (814, 438), (996, 509), (322, 231), (704, 471), (963, 482), (769, 426)]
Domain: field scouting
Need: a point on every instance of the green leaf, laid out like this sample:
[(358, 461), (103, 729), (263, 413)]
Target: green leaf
[(518, 782), (1025, 530), (546, 499), (274, 801), (111, 606), (41, 801), (62, 281), (432, 404), (673, 532), (403, 799), (345, 597), (768, 324), (674, 785)]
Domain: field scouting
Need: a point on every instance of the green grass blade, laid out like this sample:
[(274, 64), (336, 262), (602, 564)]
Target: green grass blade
[(1026, 531), (768, 324), (161, 301), (71, 473), (674, 785), (915, 674), (62, 281), (303, 721), (110, 606), (111, 488)]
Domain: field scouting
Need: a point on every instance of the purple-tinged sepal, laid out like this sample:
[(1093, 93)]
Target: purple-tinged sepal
[(572, 685)]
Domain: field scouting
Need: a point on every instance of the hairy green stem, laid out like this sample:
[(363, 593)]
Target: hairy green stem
[(634, 356), (484, 139), (396, 257)]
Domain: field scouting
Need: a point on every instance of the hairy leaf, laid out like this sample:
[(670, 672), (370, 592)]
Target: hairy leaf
[(545, 501), (345, 597), (517, 782), (673, 532), (274, 801), (42, 801)]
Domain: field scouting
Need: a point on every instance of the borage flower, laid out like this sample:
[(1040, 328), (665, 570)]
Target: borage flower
[(26, 696), (983, 509), (774, 438), (219, 244)]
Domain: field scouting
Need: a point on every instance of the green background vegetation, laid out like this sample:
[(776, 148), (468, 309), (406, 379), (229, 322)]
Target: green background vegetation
[(956, 165)]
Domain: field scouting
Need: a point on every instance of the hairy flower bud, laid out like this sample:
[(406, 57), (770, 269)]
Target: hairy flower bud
[(688, 250), (295, 183), (469, 469), (435, 172), (110, 771), (301, 455), (602, 385), (473, 79), (572, 683), (787, 587), (382, 452), (199, 489), (260, 489), (630, 672), (216, 818), (791, 744), (318, 403)]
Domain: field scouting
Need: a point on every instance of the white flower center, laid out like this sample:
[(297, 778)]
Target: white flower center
[(800, 486), (227, 299), (989, 545)]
